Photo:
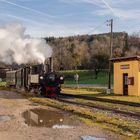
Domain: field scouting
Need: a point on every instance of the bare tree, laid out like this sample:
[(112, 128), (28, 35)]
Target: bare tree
[(99, 57)]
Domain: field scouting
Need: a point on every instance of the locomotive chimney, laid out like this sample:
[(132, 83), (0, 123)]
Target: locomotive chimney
[(50, 64), (45, 67)]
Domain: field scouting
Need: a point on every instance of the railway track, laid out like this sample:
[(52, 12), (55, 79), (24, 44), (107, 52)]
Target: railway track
[(63, 98), (102, 100)]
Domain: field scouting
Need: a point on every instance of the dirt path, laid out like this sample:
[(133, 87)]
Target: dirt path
[(13, 104)]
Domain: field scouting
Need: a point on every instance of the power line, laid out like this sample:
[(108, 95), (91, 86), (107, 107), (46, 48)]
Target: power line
[(94, 29)]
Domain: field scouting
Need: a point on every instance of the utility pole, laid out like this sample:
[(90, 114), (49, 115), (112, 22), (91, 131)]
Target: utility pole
[(111, 44)]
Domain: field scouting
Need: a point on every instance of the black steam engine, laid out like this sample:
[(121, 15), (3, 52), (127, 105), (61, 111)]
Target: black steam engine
[(37, 78)]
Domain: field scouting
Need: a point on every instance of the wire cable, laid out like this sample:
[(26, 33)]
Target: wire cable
[(94, 29)]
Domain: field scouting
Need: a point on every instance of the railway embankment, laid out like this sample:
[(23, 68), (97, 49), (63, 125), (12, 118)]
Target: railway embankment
[(19, 119), (114, 113), (116, 122)]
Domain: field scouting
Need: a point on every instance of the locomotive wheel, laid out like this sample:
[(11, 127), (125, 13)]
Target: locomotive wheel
[(42, 91)]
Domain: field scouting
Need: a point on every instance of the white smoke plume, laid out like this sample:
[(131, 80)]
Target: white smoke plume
[(16, 47)]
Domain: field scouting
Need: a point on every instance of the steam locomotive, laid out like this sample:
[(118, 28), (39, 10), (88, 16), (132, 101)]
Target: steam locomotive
[(37, 78)]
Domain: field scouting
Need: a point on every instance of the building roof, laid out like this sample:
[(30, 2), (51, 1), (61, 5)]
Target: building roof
[(130, 58)]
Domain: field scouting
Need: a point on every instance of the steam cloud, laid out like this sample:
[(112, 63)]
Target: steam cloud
[(16, 47)]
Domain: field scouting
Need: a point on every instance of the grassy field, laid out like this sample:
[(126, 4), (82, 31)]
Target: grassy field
[(100, 93), (127, 127), (2, 84), (85, 77)]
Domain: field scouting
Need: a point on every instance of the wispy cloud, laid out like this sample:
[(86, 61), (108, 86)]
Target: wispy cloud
[(21, 19), (27, 8), (60, 30), (109, 7), (37, 29), (119, 13), (112, 8), (70, 17), (94, 2)]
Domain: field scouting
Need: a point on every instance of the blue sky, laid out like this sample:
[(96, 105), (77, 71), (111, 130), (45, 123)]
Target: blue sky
[(71, 17)]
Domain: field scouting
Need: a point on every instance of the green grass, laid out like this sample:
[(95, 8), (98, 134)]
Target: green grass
[(85, 91), (99, 93), (125, 108), (85, 77), (118, 124), (2, 84)]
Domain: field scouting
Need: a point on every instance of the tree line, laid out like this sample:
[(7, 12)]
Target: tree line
[(91, 51)]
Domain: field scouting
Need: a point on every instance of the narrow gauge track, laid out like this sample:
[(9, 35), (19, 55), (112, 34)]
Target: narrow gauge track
[(102, 100), (99, 107)]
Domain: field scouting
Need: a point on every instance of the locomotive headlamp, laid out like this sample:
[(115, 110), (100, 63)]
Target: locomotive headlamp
[(61, 78), (41, 77)]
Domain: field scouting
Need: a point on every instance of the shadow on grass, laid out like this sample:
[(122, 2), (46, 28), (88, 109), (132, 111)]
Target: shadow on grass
[(97, 95)]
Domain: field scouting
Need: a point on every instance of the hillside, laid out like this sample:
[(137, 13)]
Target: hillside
[(86, 51), (90, 51)]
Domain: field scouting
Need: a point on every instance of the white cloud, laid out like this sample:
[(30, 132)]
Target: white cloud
[(113, 8)]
